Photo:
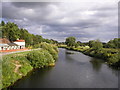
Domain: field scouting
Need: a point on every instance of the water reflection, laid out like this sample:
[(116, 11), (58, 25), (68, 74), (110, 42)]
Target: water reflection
[(96, 64), (114, 71)]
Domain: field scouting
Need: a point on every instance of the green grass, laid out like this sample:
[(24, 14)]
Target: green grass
[(17, 65), (9, 76)]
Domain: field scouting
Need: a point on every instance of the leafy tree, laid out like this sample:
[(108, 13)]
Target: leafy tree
[(115, 43), (79, 43), (53, 41), (70, 41), (39, 38), (76, 45), (2, 23), (10, 31), (96, 44), (90, 43)]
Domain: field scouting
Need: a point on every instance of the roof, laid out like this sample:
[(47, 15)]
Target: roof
[(4, 41), (2, 45), (12, 44), (20, 41)]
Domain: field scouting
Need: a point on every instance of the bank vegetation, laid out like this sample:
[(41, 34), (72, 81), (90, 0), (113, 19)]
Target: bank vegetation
[(17, 65)]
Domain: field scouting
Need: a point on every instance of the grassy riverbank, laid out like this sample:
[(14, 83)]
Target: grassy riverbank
[(109, 55), (17, 65)]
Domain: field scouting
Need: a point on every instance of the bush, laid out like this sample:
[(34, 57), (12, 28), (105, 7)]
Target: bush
[(40, 58), (36, 46), (53, 50), (115, 58)]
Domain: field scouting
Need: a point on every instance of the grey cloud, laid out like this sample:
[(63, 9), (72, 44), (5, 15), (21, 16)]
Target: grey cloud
[(59, 22), (32, 4)]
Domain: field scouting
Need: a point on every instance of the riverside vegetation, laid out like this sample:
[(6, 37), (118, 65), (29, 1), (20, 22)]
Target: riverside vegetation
[(12, 32), (15, 66), (109, 52)]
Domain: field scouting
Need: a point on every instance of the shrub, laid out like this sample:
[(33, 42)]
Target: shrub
[(51, 49), (36, 46), (55, 48), (40, 58), (115, 58)]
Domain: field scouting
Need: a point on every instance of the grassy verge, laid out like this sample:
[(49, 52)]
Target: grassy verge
[(14, 67), (17, 65), (109, 55)]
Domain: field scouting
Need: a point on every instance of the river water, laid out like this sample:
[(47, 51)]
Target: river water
[(72, 71)]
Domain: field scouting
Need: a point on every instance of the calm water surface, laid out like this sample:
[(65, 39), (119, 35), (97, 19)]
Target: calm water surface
[(72, 71)]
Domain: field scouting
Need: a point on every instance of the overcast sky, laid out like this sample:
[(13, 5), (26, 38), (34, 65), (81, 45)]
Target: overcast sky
[(58, 20)]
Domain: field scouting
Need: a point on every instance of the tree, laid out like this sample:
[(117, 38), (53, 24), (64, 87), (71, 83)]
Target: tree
[(2, 23), (115, 43), (70, 41), (53, 41), (90, 43), (10, 31), (96, 44), (76, 45), (79, 43)]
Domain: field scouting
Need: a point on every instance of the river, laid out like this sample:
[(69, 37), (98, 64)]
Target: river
[(72, 71)]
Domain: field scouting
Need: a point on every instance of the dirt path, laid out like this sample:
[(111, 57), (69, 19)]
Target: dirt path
[(17, 66)]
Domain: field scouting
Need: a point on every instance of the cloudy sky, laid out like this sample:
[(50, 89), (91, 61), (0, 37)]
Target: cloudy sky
[(58, 20)]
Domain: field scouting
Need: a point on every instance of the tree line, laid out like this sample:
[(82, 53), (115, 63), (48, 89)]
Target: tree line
[(115, 43), (12, 32), (109, 52)]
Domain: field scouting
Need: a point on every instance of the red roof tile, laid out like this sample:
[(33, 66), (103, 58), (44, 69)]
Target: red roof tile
[(20, 41)]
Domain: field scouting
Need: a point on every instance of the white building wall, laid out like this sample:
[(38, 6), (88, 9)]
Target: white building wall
[(20, 43), (3, 46)]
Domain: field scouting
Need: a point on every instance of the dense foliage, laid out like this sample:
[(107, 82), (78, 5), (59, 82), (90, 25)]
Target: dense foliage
[(12, 32), (110, 52), (53, 50), (15, 66), (47, 55), (38, 58), (70, 41), (115, 43), (95, 44)]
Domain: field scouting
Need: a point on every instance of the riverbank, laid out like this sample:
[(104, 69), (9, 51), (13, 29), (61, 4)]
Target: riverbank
[(110, 56), (72, 71), (17, 65)]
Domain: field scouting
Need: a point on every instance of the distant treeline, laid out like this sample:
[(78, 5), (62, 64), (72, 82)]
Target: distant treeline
[(12, 32), (71, 41), (109, 51)]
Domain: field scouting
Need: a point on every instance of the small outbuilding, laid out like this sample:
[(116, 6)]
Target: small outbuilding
[(20, 43), (5, 44)]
